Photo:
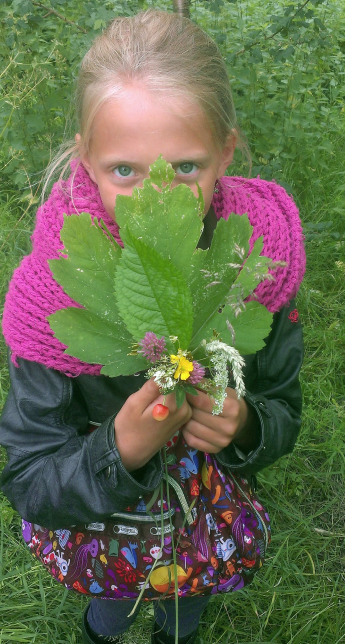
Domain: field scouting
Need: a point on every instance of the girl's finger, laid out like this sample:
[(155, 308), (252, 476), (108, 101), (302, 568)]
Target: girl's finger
[(205, 418), (201, 401), (219, 424), (147, 394), (197, 443), (207, 434)]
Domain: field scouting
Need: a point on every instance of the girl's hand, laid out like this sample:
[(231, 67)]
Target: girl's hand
[(138, 435), (210, 433)]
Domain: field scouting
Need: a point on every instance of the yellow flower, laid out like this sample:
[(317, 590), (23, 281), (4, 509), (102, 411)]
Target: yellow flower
[(184, 366)]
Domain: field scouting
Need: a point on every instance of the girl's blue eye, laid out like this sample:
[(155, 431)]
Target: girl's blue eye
[(186, 168), (123, 171)]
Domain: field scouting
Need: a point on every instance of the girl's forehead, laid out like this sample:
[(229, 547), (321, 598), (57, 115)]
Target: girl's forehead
[(140, 118), (136, 98)]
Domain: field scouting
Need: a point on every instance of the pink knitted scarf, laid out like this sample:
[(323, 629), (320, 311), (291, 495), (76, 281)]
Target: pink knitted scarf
[(33, 293)]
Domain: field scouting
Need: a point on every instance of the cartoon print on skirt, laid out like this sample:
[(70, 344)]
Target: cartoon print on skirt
[(220, 543)]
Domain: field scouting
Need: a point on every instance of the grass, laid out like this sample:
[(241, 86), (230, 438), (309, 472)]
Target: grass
[(299, 595)]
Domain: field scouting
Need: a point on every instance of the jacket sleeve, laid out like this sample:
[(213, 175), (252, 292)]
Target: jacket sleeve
[(57, 473), (274, 394)]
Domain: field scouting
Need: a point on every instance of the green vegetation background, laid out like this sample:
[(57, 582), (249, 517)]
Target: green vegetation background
[(287, 65)]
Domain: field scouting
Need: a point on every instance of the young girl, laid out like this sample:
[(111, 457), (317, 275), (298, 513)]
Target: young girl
[(151, 84)]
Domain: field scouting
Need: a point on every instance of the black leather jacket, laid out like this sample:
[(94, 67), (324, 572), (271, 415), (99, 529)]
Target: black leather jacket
[(58, 474)]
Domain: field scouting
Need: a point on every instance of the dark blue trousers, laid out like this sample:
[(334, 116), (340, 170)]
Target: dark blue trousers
[(110, 617)]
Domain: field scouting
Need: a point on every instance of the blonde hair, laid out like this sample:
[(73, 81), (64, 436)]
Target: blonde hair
[(170, 56)]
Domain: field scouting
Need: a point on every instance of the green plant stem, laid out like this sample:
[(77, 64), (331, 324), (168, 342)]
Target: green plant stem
[(58, 15), (173, 545)]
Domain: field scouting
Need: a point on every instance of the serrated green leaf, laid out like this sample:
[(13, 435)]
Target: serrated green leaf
[(212, 285), (169, 221), (96, 341), (248, 330), (76, 234), (161, 173), (152, 294), (197, 264), (181, 227), (89, 272), (252, 324), (124, 366), (253, 272)]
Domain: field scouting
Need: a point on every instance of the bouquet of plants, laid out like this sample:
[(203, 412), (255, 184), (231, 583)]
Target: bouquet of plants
[(161, 304), (184, 315)]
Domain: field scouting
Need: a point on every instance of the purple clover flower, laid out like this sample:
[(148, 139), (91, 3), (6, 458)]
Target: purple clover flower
[(197, 374), (152, 347)]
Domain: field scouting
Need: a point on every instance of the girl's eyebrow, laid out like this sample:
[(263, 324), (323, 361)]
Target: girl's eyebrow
[(111, 161), (200, 158)]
